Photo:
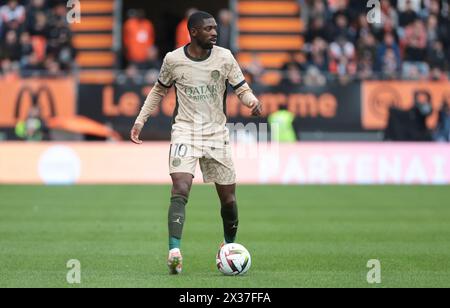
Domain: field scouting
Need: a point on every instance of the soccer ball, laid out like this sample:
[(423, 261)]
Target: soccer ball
[(233, 260)]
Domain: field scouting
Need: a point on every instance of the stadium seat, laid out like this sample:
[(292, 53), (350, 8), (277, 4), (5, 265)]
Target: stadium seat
[(94, 41), (268, 31)]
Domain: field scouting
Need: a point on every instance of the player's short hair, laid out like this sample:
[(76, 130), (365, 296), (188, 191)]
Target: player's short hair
[(196, 19)]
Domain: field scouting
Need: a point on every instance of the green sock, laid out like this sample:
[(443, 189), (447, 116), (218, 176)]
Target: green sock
[(177, 213), (174, 243), (230, 221)]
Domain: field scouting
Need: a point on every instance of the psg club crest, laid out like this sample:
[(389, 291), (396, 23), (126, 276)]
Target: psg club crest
[(176, 162), (215, 75)]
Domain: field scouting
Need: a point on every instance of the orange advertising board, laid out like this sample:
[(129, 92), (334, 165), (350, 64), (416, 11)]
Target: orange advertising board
[(55, 97), (378, 97)]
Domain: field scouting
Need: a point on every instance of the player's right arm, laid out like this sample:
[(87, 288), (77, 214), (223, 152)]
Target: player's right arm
[(153, 100)]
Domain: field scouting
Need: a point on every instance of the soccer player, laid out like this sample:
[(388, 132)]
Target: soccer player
[(200, 73)]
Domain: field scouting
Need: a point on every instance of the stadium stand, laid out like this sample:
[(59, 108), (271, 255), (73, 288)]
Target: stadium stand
[(35, 38), (94, 39), (267, 32)]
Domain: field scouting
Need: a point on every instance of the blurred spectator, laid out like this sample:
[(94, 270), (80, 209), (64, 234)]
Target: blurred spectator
[(387, 61), (291, 79), (363, 28), (293, 59), (366, 55), (319, 61), (342, 28), (342, 7), (254, 82), (365, 67), (31, 65), (52, 68), (25, 45), (39, 32), (415, 71), (147, 72), (420, 112), (342, 56), (151, 76), (313, 10), (408, 11), (281, 125), (33, 128), (388, 14), (432, 29), (320, 9), (224, 28), (406, 5), (358, 6), (35, 7), (317, 29), (314, 78), (388, 28), (40, 26), (60, 46), (59, 11), (12, 12), (318, 55), (367, 49), (437, 74), (390, 66), (182, 36), (442, 132), (433, 7), (305, 6), (131, 76), (410, 125), (139, 37), (255, 68), (153, 60), (9, 70), (415, 41), (437, 57), (10, 48)]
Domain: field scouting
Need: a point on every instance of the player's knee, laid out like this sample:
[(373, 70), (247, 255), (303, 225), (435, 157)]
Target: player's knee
[(229, 201), (181, 189)]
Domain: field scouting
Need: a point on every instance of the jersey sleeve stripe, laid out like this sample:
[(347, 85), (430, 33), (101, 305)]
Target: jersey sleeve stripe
[(165, 86), (240, 84), (177, 105), (225, 98)]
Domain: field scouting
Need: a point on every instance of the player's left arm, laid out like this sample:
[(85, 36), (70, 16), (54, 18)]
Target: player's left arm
[(247, 97), (242, 89)]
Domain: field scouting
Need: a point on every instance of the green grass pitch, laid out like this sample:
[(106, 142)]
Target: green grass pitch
[(299, 236)]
